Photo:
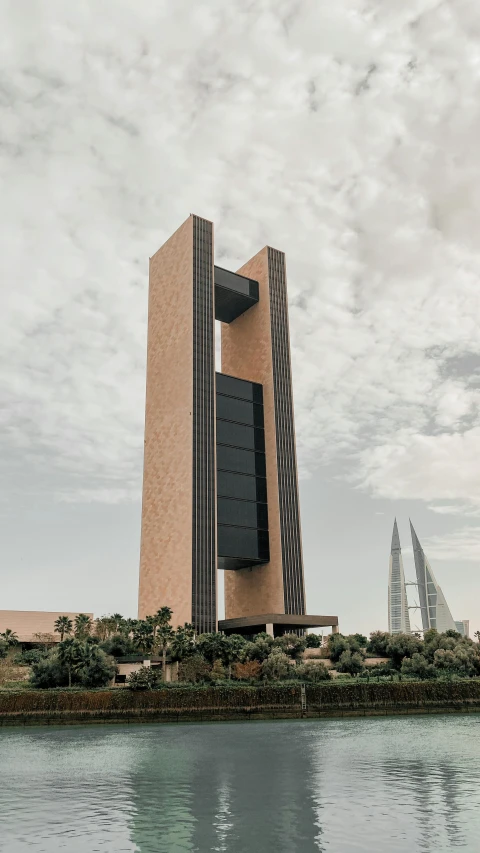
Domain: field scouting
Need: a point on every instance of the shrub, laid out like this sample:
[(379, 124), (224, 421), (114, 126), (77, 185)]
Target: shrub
[(31, 656), (380, 669), (355, 644), (248, 671), (193, 669), (378, 642), (259, 650), (218, 671), (359, 639), (118, 645), (291, 644), (212, 646), (337, 644), (313, 672), (402, 646), (462, 661), (276, 666), (89, 666), (313, 641), (350, 662), (433, 641), (418, 667), (144, 678), (49, 672), (99, 669), (3, 649)]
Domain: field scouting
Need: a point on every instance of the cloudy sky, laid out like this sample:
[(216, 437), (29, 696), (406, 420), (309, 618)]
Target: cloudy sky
[(344, 133)]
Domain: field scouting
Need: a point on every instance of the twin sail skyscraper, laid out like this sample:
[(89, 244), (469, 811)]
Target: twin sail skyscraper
[(434, 610), (398, 617), (433, 607)]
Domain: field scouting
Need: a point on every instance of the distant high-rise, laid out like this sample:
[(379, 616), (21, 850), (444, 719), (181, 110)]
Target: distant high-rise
[(398, 618), (463, 627), (434, 609)]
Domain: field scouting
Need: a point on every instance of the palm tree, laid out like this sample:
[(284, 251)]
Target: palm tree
[(143, 635), (183, 643), (102, 628), (164, 637), (130, 626), (118, 622), (232, 649), (83, 626), (159, 620), (163, 615), (10, 637), (71, 655), (477, 635), (63, 625)]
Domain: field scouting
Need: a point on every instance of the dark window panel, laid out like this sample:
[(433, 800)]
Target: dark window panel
[(242, 513), (242, 461), (240, 435), (233, 281), (230, 304), (241, 411), (233, 387), (243, 542), (242, 487)]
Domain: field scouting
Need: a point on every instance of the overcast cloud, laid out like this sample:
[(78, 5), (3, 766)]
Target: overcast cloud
[(346, 134)]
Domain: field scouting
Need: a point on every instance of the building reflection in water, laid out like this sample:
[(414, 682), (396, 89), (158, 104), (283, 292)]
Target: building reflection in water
[(352, 786), (433, 795), (225, 787)]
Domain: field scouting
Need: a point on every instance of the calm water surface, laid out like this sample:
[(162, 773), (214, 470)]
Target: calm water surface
[(383, 785)]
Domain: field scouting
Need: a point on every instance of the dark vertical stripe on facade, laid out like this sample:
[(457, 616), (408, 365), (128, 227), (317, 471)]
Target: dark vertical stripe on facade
[(293, 582), (204, 504)]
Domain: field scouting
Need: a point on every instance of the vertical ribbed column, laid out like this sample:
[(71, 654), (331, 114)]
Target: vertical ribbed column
[(204, 551), (293, 581)]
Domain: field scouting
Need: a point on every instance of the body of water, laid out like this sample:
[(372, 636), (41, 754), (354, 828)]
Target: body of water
[(391, 785)]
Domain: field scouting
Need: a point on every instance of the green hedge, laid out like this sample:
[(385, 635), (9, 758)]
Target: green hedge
[(392, 694), (120, 703), (128, 701)]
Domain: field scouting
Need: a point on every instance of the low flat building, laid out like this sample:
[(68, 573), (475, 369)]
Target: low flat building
[(276, 624), (34, 626)]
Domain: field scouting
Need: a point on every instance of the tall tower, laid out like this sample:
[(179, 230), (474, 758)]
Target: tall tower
[(220, 486), (398, 617), (434, 609), (178, 542)]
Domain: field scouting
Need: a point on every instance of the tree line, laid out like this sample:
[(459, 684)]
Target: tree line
[(437, 655), (85, 655)]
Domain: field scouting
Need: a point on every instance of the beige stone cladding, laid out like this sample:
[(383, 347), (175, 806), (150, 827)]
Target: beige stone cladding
[(26, 623), (166, 540), (247, 354)]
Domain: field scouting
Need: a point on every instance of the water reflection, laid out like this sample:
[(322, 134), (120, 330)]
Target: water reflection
[(225, 794), (288, 787), (436, 793)]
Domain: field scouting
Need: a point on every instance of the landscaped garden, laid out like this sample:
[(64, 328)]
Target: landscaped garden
[(87, 653)]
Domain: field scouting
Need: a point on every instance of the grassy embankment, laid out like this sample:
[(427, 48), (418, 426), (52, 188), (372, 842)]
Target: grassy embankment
[(281, 701)]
